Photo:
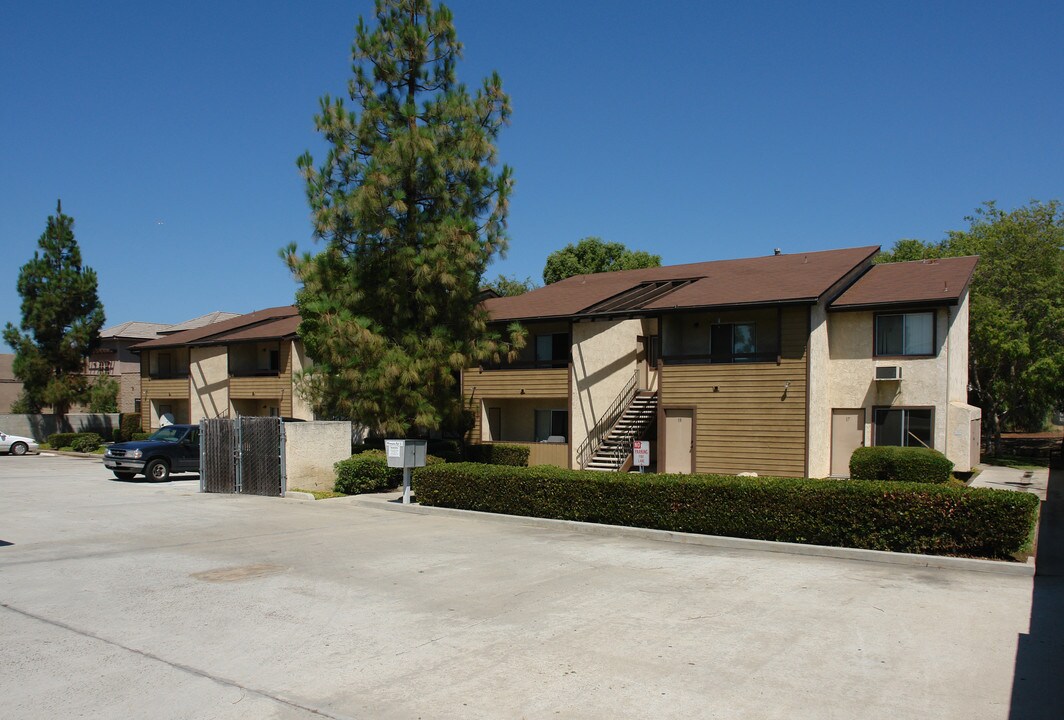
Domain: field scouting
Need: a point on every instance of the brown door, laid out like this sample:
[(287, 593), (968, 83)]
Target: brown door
[(494, 424), (847, 434), (679, 439)]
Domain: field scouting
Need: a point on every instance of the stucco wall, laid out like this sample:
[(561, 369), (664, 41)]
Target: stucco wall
[(209, 375), (311, 450), (604, 361), (300, 408), (128, 391), (847, 363), (40, 426)]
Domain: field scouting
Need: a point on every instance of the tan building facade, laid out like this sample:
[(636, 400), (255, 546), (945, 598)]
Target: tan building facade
[(766, 365)]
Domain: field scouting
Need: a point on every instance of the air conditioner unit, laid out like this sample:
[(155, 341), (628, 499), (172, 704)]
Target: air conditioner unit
[(888, 372)]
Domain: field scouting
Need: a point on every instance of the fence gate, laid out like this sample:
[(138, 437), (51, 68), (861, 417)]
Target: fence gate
[(242, 455)]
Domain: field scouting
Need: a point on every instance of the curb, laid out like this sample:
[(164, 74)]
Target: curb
[(68, 453), (297, 495), (1026, 569)]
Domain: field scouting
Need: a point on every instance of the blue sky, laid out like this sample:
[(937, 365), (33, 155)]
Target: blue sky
[(695, 130)]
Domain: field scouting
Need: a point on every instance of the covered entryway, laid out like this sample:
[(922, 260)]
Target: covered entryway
[(847, 434), (679, 440)]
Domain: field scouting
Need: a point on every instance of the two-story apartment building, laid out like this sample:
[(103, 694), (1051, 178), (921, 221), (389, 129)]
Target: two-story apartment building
[(245, 365), (777, 365)]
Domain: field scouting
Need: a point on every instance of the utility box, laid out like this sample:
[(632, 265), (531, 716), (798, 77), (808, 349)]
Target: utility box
[(405, 453)]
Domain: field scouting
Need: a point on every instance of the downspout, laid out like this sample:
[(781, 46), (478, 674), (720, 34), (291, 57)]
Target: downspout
[(948, 348)]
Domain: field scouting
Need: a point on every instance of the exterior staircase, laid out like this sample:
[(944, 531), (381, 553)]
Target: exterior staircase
[(615, 452)]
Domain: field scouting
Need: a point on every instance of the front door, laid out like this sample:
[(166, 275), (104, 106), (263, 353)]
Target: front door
[(679, 440), (847, 434)]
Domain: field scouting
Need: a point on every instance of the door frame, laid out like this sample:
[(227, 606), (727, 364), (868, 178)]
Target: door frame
[(831, 435), (662, 432)]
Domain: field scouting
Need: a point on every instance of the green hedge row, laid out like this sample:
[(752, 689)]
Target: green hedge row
[(905, 464), (88, 440), (903, 517), (368, 471), (140, 436), (498, 454)]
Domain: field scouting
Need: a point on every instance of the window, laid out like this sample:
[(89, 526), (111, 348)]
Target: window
[(551, 423), (905, 334), (732, 343), (903, 427), (552, 350), (726, 336)]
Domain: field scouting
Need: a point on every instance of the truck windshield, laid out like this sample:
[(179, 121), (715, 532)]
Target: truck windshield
[(168, 434)]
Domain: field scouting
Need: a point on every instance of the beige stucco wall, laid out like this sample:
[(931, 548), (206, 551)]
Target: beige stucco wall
[(311, 450), (842, 375), (209, 378), (605, 354), (300, 408), (128, 391)]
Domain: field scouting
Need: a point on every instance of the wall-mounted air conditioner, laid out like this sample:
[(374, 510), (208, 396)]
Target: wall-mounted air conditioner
[(888, 372)]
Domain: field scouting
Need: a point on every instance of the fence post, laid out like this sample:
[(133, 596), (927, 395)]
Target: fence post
[(284, 464), (202, 455), (238, 448)]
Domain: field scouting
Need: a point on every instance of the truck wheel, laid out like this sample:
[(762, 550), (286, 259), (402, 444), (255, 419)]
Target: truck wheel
[(19, 448), (124, 475), (158, 471)]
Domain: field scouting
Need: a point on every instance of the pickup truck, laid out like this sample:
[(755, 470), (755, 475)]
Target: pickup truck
[(172, 449)]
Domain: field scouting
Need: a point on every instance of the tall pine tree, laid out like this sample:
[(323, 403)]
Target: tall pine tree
[(61, 321), (412, 210)]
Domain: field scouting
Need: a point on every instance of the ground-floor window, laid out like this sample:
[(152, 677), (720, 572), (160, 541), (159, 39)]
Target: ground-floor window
[(906, 427), (551, 423)]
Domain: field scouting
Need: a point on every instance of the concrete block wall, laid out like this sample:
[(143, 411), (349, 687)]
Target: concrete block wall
[(40, 426), (311, 450)]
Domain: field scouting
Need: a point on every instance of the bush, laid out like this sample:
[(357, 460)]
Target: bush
[(61, 440), (117, 436), (368, 472), (130, 424), (86, 442), (367, 444), (903, 517), (498, 454), (140, 436), (905, 464)]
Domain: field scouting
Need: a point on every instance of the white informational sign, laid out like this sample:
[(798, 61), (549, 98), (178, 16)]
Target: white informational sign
[(641, 453)]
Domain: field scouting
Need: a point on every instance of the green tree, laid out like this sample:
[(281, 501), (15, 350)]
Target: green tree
[(1016, 337), (61, 321), (508, 286), (594, 255), (412, 210), (103, 395)]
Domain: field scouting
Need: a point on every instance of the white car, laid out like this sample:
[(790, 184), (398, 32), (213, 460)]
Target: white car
[(16, 444)]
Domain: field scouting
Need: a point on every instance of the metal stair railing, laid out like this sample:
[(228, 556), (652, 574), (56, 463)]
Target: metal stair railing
[(594, 439)]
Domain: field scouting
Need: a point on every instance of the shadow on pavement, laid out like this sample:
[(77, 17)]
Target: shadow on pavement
[(1037, 690), (141, 480)]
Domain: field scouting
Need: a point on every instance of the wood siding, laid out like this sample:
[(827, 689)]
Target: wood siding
[(480, 385), (746, 418), (176, 388)]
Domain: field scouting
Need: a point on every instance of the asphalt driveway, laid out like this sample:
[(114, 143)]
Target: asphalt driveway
[(151, 600)]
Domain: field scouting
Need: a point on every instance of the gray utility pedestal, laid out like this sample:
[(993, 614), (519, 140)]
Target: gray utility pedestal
[(406, 454)]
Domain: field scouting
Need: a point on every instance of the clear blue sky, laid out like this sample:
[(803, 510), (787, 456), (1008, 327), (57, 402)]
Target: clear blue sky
[(695, 130)]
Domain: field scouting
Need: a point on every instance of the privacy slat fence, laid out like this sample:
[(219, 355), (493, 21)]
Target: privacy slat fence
[(242, 455)]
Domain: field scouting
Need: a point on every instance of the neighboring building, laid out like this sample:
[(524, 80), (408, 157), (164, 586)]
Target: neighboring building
[(245, 365), (10, 386), (113, 357), (766, 365)]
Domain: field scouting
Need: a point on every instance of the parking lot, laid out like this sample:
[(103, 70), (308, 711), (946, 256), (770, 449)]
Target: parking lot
[(133, 599)]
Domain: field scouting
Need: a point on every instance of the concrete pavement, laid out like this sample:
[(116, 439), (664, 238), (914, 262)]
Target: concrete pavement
[(151, 600)]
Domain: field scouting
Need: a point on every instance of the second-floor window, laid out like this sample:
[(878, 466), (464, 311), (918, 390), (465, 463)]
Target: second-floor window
[(552, 350), (905, 334), (720, 337)]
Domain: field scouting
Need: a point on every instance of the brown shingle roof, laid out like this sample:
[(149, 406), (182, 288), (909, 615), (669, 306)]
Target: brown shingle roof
[(798, 277), (280, 328), (921, 282), (206, 335)]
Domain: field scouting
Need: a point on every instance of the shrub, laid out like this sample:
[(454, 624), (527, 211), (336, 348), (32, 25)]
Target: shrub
[(140, 436), (86, 442), (903, 517), (905, 464), (367, 444), (117, 435), (498, 454), (130, 424), (368, 471), (61, 440)]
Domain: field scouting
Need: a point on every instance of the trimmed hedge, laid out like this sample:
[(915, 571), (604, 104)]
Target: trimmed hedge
[(902, 517), (498, 454), (904, 464), (140, 436), (86, 442), (368, 472), (129, 424), (61, 440)]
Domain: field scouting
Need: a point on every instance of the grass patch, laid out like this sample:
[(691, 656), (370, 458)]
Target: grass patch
[(1017, 462), (321, 494)]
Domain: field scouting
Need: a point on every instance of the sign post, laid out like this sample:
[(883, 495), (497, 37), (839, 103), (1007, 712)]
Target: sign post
[(641, 454)]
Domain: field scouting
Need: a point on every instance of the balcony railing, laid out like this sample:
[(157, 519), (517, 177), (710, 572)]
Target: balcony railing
[(237, 372), (171, 375), (526, 365)]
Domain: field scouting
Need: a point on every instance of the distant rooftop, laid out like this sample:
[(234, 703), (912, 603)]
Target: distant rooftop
[(208, 319), (134, 330)]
